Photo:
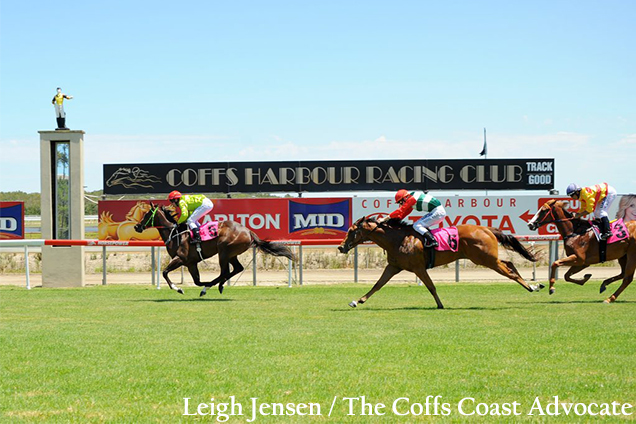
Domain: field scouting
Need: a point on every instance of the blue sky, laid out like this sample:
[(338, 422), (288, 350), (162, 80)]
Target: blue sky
[(286, 80)]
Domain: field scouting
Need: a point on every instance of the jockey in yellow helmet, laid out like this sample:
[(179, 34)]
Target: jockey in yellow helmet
[(193, 207), (595, 199)]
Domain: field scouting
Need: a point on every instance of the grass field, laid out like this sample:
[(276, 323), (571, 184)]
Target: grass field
[(132, 354)]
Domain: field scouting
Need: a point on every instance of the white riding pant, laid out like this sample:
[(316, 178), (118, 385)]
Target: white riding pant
[(59, 111), (434, 217), (193, 220), (601, 209)]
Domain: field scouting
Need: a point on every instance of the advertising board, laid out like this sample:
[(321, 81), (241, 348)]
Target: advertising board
[(11, 220)]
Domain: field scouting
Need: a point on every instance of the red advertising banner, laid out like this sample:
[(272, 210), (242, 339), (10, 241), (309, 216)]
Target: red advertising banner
[(269, 218), (11, 220)]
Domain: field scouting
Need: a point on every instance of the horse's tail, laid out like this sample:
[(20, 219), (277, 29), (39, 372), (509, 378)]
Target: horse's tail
[(512, 243), (271, 248)]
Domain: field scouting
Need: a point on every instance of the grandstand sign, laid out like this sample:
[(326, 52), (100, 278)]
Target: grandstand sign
[(326, 176)]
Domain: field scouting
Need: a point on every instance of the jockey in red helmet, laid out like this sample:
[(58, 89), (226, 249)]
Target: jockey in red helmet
[(423, 202), (193, 207)]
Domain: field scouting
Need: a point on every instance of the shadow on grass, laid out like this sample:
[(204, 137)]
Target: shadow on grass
[(572, 302), (429, 308), (184, 299)]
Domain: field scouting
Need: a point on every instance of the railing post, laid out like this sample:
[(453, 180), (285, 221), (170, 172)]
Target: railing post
[(254, 266), (104, 265), (289, 275), (158, 268), (300, 264), (457, 270), (26, 266), (152, 264), (355, 264)]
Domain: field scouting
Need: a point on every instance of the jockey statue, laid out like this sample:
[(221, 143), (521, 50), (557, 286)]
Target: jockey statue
[(193, 207), (423, 202), (595, 199)]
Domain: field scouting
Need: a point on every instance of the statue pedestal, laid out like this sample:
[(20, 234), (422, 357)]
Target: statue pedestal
[(62, 206)]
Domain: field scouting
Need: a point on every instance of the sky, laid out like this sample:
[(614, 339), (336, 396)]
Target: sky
[(160, 82)]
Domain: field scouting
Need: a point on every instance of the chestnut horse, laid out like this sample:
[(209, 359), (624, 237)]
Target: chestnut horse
[(582, 247), (405, 251), (232, 240)]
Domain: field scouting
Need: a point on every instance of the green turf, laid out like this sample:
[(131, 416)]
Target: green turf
[(131, 354)]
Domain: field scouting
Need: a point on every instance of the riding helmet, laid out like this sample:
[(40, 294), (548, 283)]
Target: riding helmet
[(174, 195), (401, 194), (572, 188)]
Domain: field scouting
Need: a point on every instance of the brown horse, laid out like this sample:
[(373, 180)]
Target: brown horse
[(582, 247), (405, 251), (232, 240)]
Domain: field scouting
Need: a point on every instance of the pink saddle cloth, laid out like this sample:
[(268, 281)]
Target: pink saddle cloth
[(209, 230), (619, 231), (447, 238)]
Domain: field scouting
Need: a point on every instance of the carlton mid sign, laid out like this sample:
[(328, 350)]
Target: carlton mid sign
[(269, 218), (11, 220), (324, 176)]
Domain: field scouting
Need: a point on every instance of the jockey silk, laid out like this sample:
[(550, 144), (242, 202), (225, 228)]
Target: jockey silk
[(188, 204), (591, 196), (420, 201)]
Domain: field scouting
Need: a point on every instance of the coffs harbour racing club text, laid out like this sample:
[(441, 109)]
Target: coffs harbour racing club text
[(352, 175)]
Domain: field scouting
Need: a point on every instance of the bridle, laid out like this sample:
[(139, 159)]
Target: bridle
[(150, 222)]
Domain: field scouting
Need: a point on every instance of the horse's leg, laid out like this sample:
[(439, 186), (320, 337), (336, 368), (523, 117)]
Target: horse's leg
[(426, 279), (572, 261), (225, 271), (514, 269), (236, 268), (630, 267), (622, 261), (175, 263), (502, 268), (575, 270), (387, 274), (194, 272)]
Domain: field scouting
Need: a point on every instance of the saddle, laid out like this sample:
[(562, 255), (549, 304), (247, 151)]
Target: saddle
[(208, 231), (447, 240), (618, 230)]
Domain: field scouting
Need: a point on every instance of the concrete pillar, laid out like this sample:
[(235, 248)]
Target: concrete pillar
[(62, 205)]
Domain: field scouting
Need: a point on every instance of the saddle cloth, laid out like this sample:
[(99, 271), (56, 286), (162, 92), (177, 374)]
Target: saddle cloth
[(618, 229), (447, 238), (209, 231)]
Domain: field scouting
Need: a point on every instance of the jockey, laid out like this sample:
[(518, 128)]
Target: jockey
[(596, 199), (193, 207), (423, 202)]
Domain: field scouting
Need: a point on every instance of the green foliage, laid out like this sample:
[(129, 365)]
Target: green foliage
[(126, 354)]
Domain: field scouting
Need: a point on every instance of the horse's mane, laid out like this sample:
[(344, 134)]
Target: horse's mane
[(168, 215), (394, 223), (581, 226)]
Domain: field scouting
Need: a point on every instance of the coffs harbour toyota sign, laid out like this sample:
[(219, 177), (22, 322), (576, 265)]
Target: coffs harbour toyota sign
[(325, 176)]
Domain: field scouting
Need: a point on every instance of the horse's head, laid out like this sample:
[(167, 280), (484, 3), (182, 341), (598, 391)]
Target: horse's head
[(148, 219), (357, 233), (552, 211)]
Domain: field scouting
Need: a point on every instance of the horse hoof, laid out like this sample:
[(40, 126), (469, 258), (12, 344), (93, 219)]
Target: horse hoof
[(541, 286), (221, 289), (551, 291), (607, 301), (353, 304), (179, 291), (602, 289), (202, 293)]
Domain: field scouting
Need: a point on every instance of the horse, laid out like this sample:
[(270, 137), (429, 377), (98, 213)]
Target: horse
[(582, 247), (232, 240), (405, 251)]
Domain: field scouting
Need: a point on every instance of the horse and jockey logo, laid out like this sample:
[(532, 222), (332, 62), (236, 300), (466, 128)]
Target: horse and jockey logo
[(132, 178)]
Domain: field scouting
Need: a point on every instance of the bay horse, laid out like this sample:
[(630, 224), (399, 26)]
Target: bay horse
[(405, 251), (232, 240), (582, 247)]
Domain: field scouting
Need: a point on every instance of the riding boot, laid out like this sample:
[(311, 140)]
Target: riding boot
[(430, 240), (59, 123), (605, 228), (63, 123), (196, 237)]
